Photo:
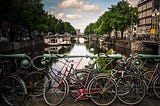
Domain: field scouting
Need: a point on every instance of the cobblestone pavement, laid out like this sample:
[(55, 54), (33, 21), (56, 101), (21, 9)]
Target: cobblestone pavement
[(148, 101)]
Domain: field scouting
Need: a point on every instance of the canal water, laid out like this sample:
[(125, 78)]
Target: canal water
[(80, 48)]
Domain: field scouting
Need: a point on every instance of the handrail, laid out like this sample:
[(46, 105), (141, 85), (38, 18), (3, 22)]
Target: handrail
[(145, 56), (14, 55), (25, 62)]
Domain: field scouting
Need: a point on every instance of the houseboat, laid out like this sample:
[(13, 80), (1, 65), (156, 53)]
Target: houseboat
[(53, 40)]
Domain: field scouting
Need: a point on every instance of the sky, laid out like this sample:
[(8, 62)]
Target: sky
[(80, 13)]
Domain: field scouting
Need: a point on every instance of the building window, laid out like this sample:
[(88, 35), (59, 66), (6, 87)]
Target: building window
[(140, 15), (144, 7), (149, 4), (140, 9), (143, 21), (148, 21)]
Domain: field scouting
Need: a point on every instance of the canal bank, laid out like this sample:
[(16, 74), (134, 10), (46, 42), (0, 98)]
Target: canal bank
[(120, 45), (138, 46), (12, 46)]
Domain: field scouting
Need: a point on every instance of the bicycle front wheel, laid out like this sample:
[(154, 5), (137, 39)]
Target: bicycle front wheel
[(156, 86), (102, 90), (13, 90), (131, 90), (55, 91), (35, 83)]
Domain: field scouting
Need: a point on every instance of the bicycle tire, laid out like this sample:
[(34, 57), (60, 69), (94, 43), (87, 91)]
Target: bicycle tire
[(136, 90), (76, 84), (13, 90), (55, 91), (102, 90), (35, 83), (156, 86)]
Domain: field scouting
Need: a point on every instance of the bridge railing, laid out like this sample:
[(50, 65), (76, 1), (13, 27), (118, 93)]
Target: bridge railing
[(27, 61)]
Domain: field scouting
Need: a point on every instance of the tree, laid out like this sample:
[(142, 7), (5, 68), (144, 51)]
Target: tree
[(119, 17), (90, 29), (29, 14)]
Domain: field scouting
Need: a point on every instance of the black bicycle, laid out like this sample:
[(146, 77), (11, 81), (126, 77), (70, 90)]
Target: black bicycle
[(12, 87)]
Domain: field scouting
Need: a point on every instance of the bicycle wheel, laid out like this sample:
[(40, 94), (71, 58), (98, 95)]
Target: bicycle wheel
[(35, 83), (131, 90), (13, 90), (102, 90), (55, 91), (76, 84), (156, 86)]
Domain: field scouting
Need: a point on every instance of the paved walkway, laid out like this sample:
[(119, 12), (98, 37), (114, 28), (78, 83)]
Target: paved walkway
[(148, 101)]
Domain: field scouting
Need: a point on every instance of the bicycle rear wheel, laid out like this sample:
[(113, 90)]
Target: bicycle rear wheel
[(102, 90), (131, 90), (35, 83), (55, 91), (156, 86), (13, 90)]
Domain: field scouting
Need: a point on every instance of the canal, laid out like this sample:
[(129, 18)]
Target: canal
[(80, 48)]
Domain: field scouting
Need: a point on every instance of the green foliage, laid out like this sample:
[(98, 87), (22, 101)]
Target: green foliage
[(106, 64), (119, 17), (30, 14), (90, 29)]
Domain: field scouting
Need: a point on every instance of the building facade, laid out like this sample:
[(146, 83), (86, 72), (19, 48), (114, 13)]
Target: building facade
[(149, 23), (145, 17)]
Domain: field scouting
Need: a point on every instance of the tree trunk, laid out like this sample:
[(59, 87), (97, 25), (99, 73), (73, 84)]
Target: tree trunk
[(116, 33), (122, 34)]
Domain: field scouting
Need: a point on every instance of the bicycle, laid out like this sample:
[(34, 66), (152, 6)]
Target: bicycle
[(90, 88), (152, 77), (134, 83), (56, 88), (12, 87), (130, 83), (27, 69)]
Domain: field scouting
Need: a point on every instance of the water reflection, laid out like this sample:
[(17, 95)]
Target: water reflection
[(74, 49)]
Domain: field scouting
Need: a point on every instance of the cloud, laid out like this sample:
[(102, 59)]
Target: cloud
[(70, 4), (73, 16), (89, 7), (68, 16), (51, 13), (61, 16), (79, 5)]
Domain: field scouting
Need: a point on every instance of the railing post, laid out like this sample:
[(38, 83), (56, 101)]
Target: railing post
[(91, 57)]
